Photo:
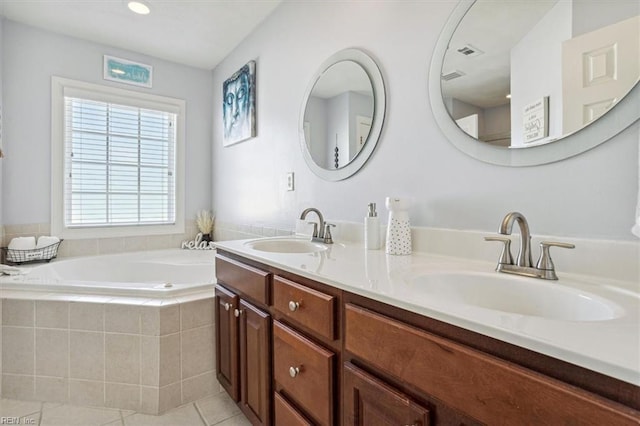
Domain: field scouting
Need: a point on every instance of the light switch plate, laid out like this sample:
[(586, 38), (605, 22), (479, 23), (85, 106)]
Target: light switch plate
[(290, 181)]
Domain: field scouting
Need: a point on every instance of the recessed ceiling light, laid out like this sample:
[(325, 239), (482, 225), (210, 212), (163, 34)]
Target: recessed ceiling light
[(139, 7)]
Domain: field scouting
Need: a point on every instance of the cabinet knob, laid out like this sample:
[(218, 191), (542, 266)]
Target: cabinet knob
[(294, 371), (293, 306), (237, 312), (227, 306)]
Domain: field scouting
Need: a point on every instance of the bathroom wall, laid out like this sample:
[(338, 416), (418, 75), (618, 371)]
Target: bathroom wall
[(592, 195), (1, 121), (31, 56)]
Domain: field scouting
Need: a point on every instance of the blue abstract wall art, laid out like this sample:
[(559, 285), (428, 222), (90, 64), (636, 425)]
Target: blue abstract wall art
[(239, 105)]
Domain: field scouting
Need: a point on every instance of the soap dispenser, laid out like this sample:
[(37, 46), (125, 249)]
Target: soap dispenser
[(398, 228), (372, 228)]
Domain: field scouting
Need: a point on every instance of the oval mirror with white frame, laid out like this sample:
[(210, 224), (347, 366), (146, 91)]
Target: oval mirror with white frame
[(527, 82), (342, 115)]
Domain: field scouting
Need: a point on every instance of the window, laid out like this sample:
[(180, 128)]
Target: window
[(118, 161)]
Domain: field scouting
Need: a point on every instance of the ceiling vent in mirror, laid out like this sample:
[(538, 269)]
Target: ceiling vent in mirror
[(452, 74), (469, 50)]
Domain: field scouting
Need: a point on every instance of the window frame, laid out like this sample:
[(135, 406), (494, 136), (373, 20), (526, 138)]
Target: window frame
[(61, 87)]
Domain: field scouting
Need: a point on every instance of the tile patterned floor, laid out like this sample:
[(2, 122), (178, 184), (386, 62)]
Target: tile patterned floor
[(218, 410)]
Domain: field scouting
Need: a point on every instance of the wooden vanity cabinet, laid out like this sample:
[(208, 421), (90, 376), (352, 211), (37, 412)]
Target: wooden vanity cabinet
[(243, 338), (370, 401), (305, 353), (452, 376)]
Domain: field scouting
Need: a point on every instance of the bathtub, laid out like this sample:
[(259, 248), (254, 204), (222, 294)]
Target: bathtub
[(137, 313), (151, 274)]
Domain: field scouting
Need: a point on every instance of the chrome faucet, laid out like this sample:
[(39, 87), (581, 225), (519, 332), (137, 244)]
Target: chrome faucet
[(544, 268), (321, 230)]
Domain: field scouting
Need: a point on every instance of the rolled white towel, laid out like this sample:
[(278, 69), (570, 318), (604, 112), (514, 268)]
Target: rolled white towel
[(22, 243), (45, 241)]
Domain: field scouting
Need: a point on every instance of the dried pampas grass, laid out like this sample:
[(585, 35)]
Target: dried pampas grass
[(204, 220)]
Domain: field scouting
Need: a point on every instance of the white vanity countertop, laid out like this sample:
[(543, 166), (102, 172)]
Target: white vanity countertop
[(610, 347)]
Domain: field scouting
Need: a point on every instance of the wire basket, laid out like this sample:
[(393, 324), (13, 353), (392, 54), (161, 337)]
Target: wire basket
[(41, 254)]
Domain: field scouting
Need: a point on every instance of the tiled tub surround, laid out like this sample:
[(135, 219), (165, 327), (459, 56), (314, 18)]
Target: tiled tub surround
[(97, 246), (70, 338), (134, 357)]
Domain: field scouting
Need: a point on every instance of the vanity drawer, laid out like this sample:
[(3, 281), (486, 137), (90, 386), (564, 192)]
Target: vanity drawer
[(286, 414), (304, 371), (478, 384), (251, 282), (310, 308)]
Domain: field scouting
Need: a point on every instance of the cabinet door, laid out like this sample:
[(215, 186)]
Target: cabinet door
[(255, 363), (370, 402), (226, 326)]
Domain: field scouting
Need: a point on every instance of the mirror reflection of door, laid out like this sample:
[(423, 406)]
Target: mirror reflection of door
[(598, 69), (580, 56)]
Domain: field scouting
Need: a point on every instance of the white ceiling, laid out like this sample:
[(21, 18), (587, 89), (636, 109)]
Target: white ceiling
[(494, 28), (199, 33)]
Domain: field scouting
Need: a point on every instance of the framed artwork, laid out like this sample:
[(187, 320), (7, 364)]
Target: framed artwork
[(239, 105), (128, 72)]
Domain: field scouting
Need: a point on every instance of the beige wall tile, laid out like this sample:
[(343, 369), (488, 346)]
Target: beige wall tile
[(88, 247), (125, 397), (52, 314), (198, 387), (86, 355), (196, 314), (110, 245), (169, 319), (150, 356), (122, 318), (197, 351), (150, 320), (86, 316), (170, 397), (52, 352), (170, 359), (52, 389), (159, 242), (18, 350), (18, 386), (149, 400), (18, 312), (135, 243), (86, 392), (122, 358)]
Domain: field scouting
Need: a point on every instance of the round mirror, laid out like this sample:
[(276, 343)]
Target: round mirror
[(528, 82), (342, 115)]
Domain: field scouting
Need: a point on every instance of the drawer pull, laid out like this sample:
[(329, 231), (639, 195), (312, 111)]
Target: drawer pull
[(237, 312), (294, 371), (227, 306), (293, 306)]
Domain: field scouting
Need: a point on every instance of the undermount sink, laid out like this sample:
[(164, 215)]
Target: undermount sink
[(286, 245), (516, 295)]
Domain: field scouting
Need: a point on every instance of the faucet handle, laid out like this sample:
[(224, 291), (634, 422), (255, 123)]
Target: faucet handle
[(315, 229), (544, 262), (505, 256), (327, 233)]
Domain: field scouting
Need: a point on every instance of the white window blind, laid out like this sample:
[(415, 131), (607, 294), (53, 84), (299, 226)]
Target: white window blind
[(119, 164)]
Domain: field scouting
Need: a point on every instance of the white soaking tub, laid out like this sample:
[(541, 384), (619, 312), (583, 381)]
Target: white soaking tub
[(149, 274)]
